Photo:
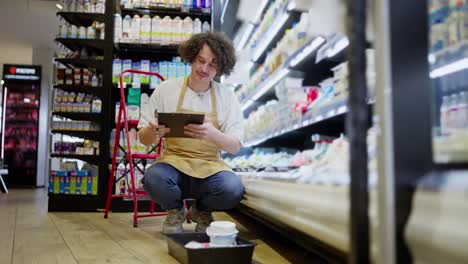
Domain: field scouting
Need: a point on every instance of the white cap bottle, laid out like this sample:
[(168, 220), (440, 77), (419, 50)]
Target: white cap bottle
[(117, 28), (187, 26), (136, 29), (126, 28), (145, 29), (197, 26), (166, 29), (206, 27), (156, 30), (177, 30)]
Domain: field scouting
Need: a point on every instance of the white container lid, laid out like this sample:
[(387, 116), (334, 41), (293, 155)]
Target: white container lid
[(222, 228)]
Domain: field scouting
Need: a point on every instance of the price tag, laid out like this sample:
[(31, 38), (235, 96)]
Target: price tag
[(319, 118), (331, 113), (342, 109)]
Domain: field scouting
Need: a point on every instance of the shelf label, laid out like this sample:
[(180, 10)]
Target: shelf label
[(331, 113), (319, 118), (342, 109)]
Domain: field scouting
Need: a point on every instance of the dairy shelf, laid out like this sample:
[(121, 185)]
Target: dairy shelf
[(76, 63), (93, 159), (96, 117), (76, 44), (93, 135), (171, 12), (81, 19), (81, 89)]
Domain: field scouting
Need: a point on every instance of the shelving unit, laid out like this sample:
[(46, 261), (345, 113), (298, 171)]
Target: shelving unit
[(80, 116), (93, 135), (282, 203), (203, 15), (98, 91), (74, 63), (93, 159), (102, 62), (78, 44), (81, 19)]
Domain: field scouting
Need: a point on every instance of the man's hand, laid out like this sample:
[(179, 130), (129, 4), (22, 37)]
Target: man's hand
[(206, 131), (159, 130)]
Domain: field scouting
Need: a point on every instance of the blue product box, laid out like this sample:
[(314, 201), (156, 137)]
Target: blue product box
[(51, 181), (180, 69), (136, 66), (172, 70)]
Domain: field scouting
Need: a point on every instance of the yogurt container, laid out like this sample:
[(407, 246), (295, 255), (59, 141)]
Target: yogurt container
[(222, 233)]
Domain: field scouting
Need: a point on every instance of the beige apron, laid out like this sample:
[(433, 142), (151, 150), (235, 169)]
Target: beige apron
[(194, 157)]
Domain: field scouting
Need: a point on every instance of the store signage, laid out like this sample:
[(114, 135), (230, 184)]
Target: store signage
[(21, 73)]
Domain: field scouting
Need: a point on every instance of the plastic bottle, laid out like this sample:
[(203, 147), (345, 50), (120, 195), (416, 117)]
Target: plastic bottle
[(120, 186), (139, 176), (463, 109), (155, 30), (206, 27), (166, 28), (136, 29), (187, 26), (177, 30), (145, 34), (126, 28), (197, 26), (117, 28), (453, 113), (111, 143)]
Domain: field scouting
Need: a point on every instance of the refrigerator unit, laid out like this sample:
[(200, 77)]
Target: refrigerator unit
[(19, 123)]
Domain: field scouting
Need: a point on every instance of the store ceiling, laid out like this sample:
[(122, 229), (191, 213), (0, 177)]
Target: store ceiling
[(28, 22)]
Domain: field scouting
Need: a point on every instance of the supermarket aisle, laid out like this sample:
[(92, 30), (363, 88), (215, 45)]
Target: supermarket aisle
[(30, 235)]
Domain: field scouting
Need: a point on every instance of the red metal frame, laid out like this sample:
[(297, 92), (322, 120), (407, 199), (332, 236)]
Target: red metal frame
[(134, 193)]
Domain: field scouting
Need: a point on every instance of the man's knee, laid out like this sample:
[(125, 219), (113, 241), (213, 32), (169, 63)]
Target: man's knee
[(159, 174), (227, 191)]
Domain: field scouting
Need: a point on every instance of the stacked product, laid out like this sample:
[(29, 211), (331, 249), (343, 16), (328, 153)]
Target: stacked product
[(87, 147), (82, 182), (326, 163), (122, 176), (95, 31), (76, 102), (79, 77), (168, 69), (277, 8), (156, 30), (448, 23), (203, 4), (277, 114), (72, 125), (83, 6), (292, 40)]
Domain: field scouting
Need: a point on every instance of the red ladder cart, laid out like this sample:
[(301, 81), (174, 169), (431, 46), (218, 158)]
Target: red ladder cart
[(134, 193)]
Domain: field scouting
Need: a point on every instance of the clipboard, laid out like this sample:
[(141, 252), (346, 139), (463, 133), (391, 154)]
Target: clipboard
[(177, 121)]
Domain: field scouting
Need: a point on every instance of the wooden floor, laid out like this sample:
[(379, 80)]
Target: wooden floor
[(29, 234)]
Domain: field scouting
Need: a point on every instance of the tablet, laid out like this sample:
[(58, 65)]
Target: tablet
[(177, 121)]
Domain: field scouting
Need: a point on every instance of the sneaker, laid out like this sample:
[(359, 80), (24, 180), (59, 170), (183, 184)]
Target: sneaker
[(174, 220), (202, 218)]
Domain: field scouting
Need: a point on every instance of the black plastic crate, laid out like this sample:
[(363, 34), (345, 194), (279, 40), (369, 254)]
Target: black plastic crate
[(239, 254)]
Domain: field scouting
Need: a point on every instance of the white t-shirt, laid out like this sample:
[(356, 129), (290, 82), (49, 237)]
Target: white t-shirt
[(166, 96)]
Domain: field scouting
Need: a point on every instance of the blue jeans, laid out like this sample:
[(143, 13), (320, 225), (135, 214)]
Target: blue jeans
[(168, 187)]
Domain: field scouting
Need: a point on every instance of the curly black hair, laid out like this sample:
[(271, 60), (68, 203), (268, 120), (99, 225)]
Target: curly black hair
[(219, 44)]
